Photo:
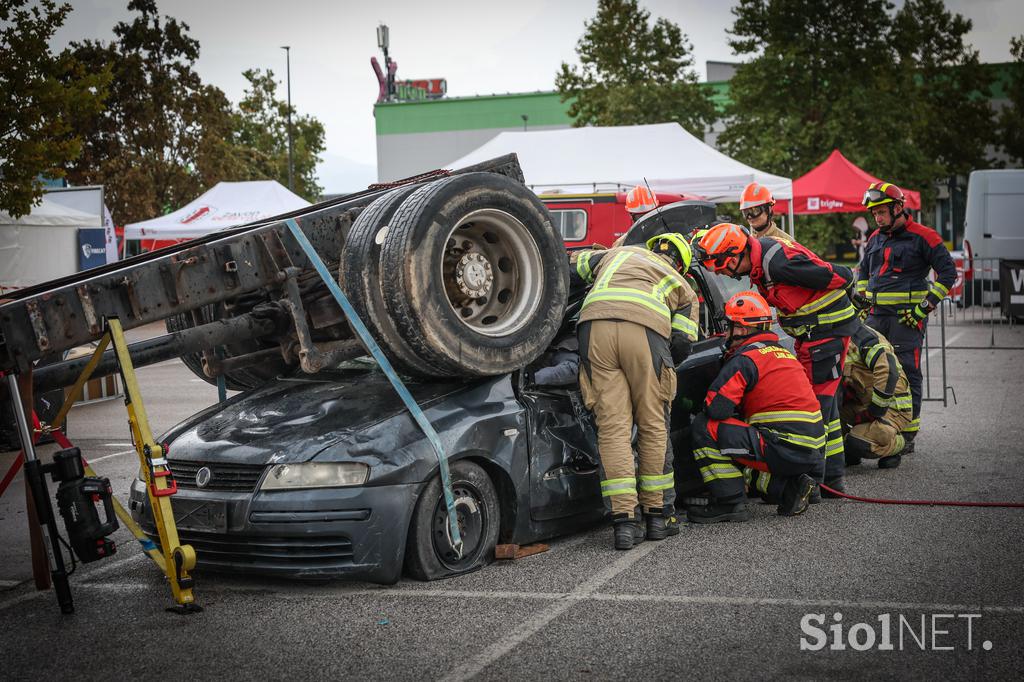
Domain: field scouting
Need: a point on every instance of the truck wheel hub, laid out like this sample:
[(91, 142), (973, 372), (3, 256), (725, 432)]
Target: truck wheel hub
[(473, 275)]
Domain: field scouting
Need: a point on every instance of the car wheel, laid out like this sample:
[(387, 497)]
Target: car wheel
[(474, 276), (361, 280), (429, 554)]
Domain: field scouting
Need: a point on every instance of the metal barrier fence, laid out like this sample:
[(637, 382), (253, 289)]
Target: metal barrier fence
[(975, 302)]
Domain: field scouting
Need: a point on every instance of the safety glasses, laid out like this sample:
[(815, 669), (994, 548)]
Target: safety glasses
[(755, 212), (873, 195)]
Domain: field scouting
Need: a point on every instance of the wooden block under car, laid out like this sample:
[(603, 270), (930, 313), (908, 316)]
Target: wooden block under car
[(512, 552)]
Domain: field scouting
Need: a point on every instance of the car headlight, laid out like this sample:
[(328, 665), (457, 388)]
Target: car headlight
[(315, 475)]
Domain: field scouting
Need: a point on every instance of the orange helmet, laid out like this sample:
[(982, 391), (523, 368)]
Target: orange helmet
[(749, 309), (720, 249), (640, 200), (755, 195)]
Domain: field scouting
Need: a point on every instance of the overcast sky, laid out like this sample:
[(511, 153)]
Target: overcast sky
[(480, 47)]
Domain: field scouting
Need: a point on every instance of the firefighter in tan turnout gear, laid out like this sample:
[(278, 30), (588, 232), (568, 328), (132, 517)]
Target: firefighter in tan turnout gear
[(877, 405), (639, 313)]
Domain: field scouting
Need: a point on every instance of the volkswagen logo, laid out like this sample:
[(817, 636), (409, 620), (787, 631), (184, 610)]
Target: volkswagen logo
[(203, 477)]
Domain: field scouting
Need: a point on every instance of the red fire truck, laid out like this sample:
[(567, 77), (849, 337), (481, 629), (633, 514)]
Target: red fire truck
[(599, 218)]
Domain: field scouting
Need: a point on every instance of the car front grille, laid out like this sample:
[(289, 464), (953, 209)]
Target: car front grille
[(235, 478), (269, 553)]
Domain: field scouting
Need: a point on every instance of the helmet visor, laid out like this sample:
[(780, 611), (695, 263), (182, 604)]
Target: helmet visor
[(875, 196), (755, 212)]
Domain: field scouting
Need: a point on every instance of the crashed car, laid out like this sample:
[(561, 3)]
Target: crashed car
[(328, 475)]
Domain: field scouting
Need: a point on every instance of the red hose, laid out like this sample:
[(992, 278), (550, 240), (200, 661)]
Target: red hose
[(929, 503)]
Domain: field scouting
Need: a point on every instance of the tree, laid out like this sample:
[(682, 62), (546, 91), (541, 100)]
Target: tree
[(261, 137), (1011, 118), (43, 93), (900, 93), (160, 141), (632, 72)]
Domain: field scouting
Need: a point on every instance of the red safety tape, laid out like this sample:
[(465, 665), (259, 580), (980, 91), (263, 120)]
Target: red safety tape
[(58, 436), (923, 503)]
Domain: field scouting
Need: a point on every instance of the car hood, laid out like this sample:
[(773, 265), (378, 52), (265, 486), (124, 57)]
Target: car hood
[(292, 419)]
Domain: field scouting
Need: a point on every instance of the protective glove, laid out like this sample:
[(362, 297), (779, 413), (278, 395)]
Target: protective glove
[(680, 348), (912, 317)]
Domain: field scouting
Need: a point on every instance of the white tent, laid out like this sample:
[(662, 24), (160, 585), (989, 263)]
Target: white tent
[(589, 159), (226, 204), (42, 245)]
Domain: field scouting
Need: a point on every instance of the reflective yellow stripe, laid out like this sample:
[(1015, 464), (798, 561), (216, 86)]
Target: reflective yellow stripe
[(715, 471), (823, 302), (606, 276), (833, 447), (666, 285), (710, 453), (915, 425), (618, 486), (583, 266), (938, 289), (837, 316), (869, 359), (785, 416), (763, 479), (862, 286), (880, 399), (807, 441), (628, 296), (660, 482), (684, 324)]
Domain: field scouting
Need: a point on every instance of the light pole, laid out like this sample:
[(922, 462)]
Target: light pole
[(291, 172)]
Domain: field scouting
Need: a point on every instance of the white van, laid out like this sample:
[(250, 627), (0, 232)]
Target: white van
[(994, 224), (993, 230)]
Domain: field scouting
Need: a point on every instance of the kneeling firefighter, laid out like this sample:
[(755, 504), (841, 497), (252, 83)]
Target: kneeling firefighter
[(877, 404), (761, 423), (638, 316)]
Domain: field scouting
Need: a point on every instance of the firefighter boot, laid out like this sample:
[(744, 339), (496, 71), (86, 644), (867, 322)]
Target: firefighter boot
[(672, 523), (796, 496), (718, 512), (890, 462), (627, 532), (657, 529)]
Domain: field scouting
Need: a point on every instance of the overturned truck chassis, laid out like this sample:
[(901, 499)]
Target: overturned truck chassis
[(250, 291)]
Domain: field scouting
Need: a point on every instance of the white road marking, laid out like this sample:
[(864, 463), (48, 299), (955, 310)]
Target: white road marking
[(532, 626), (103, 570), (581, 595), (949, 342), (9, 583), (117, 445), (93, 460)]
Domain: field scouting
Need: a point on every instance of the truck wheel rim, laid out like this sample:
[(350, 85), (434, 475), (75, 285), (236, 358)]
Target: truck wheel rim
[(492, 273)]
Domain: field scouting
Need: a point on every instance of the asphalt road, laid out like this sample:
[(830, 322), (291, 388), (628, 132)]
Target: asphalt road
[(720, 602)]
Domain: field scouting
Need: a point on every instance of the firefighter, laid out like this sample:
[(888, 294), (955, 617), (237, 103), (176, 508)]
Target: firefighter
[(814, 308), (759, 413), (893, 275), (639, 315), (640, 201), (876, 401), (756, 204)]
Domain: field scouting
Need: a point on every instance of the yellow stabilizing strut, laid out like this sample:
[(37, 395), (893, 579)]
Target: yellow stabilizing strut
[(148, 546), (178, 559)]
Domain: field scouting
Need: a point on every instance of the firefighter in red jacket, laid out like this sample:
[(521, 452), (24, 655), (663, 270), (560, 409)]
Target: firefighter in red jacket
[(814, 308), (760, 414), (893, 276)]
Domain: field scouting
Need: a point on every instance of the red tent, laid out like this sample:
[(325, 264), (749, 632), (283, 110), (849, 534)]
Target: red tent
[(836, 186)]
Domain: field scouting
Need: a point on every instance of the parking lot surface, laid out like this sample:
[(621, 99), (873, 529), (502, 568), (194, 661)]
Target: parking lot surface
[(719, 602)]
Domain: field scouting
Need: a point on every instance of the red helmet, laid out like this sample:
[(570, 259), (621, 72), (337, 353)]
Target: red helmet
[(755, 195), (720, 249), (881, 193), (641, 200), (749, 309)]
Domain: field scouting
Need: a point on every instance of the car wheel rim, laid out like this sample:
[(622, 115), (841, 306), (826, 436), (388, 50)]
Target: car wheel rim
[(472, 519), (492, 272)]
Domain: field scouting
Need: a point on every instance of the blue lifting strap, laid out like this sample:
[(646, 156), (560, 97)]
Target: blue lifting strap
[(389, 371)]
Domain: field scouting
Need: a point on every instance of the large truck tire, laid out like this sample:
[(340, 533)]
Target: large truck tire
[(361, 280), (474, 276)]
